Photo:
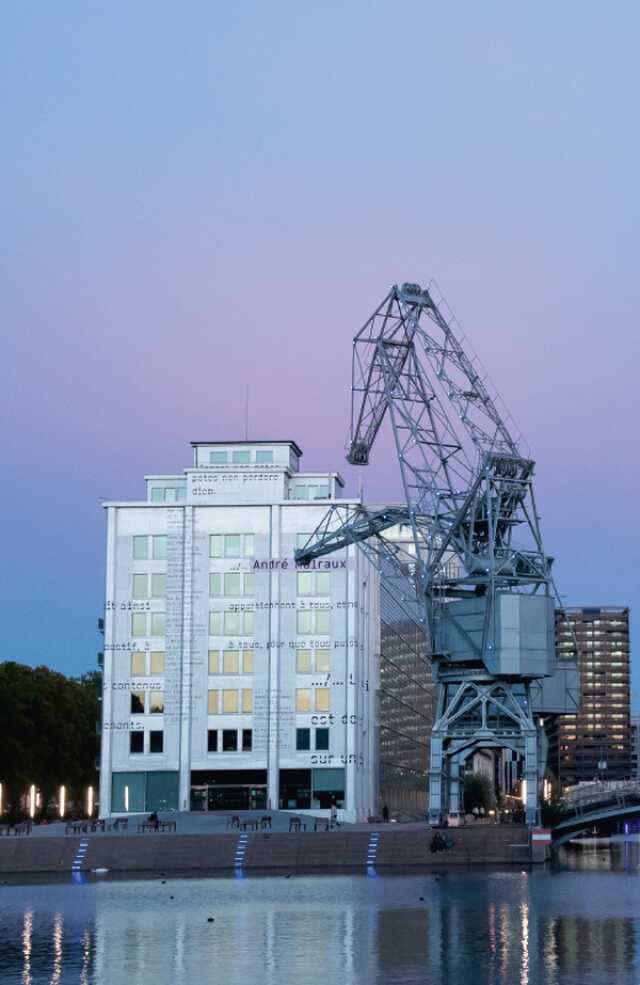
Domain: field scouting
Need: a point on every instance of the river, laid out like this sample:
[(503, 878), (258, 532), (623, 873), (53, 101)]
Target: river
[(576, 923)]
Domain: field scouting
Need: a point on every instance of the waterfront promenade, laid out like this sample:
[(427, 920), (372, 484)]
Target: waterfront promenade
[(204, 843)]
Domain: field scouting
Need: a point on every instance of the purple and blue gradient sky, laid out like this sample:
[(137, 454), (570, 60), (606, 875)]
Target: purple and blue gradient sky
[(198, 196)]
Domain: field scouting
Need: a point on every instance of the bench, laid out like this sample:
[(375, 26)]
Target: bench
[(233, 821), (167, 826), (322, 824), (249, 824), (265, 822), (295, 824)]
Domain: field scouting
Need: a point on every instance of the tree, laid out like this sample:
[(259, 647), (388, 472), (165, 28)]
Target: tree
[(47, 732), (477, 792)]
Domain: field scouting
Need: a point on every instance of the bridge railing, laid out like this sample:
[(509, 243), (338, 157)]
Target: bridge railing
[(600, 793)]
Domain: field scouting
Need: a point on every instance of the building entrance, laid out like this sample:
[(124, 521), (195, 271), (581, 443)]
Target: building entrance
[(229, 790)]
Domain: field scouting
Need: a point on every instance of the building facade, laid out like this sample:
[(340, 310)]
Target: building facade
[(595, 743), (233, 678)]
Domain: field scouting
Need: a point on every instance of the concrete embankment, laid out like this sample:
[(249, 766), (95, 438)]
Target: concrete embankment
[(353, 849)]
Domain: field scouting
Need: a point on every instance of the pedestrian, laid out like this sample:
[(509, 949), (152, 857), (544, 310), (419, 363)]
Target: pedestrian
[(334, 815), (385, 814)]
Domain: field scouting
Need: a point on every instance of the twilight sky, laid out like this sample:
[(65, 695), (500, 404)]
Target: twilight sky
[(199, 196)]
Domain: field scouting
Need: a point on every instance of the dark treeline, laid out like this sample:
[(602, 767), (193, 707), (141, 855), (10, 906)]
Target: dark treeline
[(47, 733)]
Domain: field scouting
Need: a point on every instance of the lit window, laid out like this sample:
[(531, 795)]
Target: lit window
[(137, 702), (247, 661), (158, 586), (323, 663), (322, 698), (229, 702), (138, 624), (159, 547), (157, 661), (213, 661), (264, 457), (241, 457), (247, 700), (218, 457), (156, 702), (230, 662), (140, 548), (157, 623), (212, 703), (303, 699), (303, 661), (137, 663), (140, 586)]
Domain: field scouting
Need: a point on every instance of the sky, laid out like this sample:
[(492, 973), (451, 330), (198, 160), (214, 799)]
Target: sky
[(198, 197)]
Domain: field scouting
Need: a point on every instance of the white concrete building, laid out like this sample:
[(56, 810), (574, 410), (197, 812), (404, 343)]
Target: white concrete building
[(232, 678)]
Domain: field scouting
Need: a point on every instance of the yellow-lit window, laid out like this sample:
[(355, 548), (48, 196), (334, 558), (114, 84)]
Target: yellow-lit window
[(157, 661), (247, 661), (213, 661), (323, 663), (138, 663), (230, 662), (213, 703), (322, 698), (230, 702), (247, 700), (303, 661), (303, 699)]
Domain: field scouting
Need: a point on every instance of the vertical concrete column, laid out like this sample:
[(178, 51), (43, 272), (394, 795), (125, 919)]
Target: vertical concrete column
[(186, 670), (353, 640), (273, 663), (108, 666), (435, 780)]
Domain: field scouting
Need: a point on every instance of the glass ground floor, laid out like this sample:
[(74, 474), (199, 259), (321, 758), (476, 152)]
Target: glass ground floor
[(244, 790)]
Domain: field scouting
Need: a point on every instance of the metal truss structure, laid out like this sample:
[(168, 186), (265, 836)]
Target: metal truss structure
[(476, 560)]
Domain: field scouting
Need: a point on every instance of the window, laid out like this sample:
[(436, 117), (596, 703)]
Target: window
[(157, 661), (231, 584), (137, 663), (247, 662), (229, 740), (218, 457), (264, 457), (157, 623), (247, 700), (159, 547), (238, 623), (140, 548), (158, 586), (156, 741), (138, 624), (303, 739), (229, 702), (322, 738), (323, 661), (300, 492), (230, 661), (213, 661), (313, 661), (313, 622), (314, 583), (231, 545), (215, 624), (302, 540), (137, 702), (212, 703), (140, 586), (212, 740), (157, 494), (323, 695), (303, 699), (156, 703), (304, 664), (241, 457), (247, 740), (136, 741)]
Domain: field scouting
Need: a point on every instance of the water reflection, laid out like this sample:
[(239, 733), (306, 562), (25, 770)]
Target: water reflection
[(504, 928)]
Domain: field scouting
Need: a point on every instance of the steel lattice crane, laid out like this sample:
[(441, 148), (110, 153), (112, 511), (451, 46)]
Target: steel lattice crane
[(475, 559)]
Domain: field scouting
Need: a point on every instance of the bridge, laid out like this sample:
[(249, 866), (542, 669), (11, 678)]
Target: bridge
[(595, 805)]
